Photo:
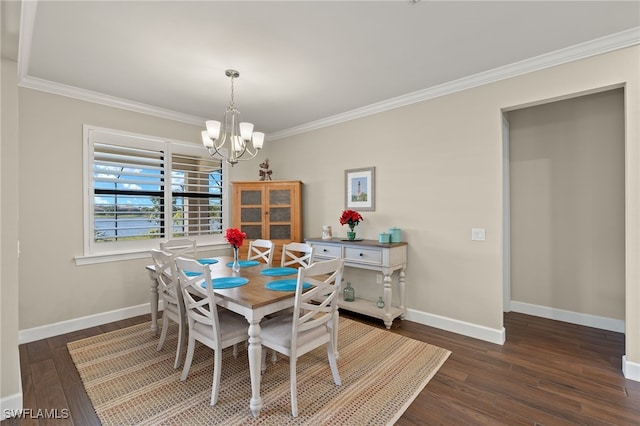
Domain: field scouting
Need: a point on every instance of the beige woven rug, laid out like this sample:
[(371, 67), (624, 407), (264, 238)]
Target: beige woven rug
[(129, 382)]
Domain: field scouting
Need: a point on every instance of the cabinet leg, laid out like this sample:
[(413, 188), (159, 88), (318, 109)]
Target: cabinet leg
[(388, 319), (401, 293)]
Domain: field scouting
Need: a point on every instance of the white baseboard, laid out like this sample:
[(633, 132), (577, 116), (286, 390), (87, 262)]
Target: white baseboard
[(58, 328), (631, 370), (587, 320), (476, 331), (11, 405)]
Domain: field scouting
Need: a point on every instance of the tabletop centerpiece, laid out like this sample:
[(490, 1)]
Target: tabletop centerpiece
[(235, 237), (351, 218)]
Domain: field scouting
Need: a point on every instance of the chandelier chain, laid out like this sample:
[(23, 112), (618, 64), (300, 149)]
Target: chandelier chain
[(231, 104)]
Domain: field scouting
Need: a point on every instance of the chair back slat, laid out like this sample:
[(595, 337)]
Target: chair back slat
[(180, 247), (167, 278), (261, 250), (297, 254), (316, 307), (200, 302)]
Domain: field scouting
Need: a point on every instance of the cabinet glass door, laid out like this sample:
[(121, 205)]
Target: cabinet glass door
[(280, 214), (251, 213)]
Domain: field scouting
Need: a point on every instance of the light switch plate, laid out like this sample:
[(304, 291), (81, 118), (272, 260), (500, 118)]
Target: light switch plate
[(477, 234)]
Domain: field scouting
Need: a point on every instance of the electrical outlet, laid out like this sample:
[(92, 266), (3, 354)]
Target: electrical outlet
[(477, 234), (378, 278)]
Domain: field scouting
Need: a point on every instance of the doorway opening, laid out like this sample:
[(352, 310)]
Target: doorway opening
[(564, 210)]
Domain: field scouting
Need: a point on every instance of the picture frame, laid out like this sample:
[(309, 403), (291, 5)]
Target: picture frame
[(360, 189)]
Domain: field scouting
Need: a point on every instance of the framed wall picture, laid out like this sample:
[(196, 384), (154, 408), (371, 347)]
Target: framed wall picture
[(360, 189)]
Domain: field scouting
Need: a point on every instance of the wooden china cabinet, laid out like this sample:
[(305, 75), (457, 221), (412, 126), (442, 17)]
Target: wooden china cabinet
[(270, 210)]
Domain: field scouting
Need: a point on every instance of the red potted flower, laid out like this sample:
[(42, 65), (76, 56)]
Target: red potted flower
[(351, 218), (235, 237)]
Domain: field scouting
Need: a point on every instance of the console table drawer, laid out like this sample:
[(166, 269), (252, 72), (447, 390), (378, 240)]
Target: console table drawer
[(328, 250), (357, 254)]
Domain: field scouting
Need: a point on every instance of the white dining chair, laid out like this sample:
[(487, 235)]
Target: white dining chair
[(314, 319), (261, 250), (217, 329), (173, 305), (297, 254), (180, 247)]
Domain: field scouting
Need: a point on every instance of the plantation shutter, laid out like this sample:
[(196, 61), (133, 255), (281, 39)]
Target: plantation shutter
[(196, 192), (128, 200)]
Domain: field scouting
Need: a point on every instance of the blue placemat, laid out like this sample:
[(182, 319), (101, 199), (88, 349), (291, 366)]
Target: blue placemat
[(285, 285), (207, 261), (278, 272), (244, 263), (192, 273), (227, 282)]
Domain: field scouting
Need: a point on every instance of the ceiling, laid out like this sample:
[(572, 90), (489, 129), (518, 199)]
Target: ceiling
[(300, 62)]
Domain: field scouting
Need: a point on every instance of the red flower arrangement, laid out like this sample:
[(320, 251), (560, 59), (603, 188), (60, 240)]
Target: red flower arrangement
[(351, 218), (235, 237)]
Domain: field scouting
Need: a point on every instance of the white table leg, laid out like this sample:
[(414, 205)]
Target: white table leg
[(255, 358), (154, 302)]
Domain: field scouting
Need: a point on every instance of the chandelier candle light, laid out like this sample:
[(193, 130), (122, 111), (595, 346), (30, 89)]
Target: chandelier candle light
[(230, 139)]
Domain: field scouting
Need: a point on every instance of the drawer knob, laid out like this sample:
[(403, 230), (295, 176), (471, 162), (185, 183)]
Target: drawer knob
[(361, 254), (324, 249)]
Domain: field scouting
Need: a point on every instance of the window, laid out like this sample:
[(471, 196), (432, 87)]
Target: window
[(142, 190)]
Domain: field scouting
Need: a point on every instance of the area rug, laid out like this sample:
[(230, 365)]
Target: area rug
[(130, 383)]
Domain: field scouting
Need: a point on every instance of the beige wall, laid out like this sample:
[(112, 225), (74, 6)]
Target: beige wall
[(439, 174), (567, 205)]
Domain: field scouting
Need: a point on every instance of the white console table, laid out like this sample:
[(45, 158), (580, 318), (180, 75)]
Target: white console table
[(369, 254)]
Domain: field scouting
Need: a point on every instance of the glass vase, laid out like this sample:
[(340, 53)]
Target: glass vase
[(349, 293), (236, 263), (351, 234), (380, 303)]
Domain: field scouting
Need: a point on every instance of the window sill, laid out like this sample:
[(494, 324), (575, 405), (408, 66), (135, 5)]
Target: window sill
[(119, 256)]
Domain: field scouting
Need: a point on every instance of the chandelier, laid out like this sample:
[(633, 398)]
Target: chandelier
[(230, 140)]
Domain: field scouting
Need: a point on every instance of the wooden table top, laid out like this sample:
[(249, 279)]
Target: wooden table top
[(253, 294)]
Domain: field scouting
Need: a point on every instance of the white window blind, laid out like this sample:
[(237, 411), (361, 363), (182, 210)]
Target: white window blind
[(196, 191), (143, 190)]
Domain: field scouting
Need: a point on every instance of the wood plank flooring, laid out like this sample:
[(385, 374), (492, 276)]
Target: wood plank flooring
[(547, 373)]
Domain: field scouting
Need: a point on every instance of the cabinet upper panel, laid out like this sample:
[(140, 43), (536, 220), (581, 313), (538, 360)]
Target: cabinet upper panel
[(251, 197), (280, 197)]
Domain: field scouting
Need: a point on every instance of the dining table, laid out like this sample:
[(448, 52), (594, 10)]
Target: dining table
[(252, 300)]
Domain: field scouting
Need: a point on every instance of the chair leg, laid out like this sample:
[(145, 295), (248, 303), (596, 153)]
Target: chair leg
[(180, 348), (293, 382), (187, 361), (331, 354), (217, 366), (274, 357), (163, 334), (334, 333), (235, 350), (263, 360)]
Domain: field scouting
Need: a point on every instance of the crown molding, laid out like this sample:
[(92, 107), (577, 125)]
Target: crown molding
[(112, 101), (595, 47)]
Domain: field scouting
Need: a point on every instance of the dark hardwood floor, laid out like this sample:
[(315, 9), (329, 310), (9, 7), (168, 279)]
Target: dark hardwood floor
[(547, 373)]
